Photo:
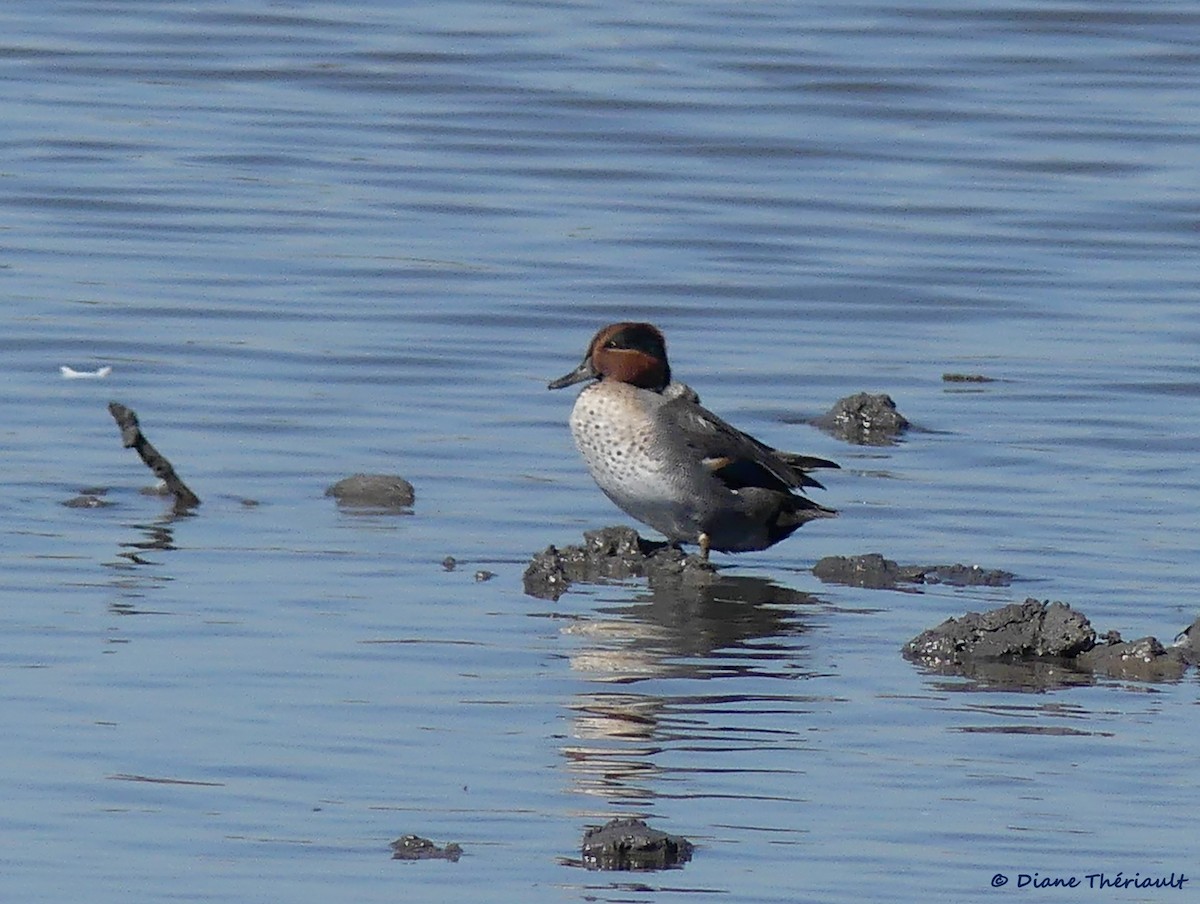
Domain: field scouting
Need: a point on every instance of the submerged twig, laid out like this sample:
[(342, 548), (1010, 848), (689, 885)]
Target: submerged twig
[(133, 438)]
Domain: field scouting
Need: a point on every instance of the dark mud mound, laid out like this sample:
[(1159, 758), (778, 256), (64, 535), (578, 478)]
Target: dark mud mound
[(610, 554), (1040, 644), (966, 378), (1144, 659), (89, 498), (630, 844), (1031, 628), (384, 491), (414, 847), (864, 419), (874, 571)]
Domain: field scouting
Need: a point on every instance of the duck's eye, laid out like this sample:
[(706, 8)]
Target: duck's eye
[(611, 343)]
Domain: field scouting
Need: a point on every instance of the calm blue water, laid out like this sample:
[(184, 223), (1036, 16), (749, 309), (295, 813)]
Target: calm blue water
[(319, 238)]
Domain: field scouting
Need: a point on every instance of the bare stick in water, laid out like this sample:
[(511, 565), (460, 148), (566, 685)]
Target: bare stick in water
[(133, 438)]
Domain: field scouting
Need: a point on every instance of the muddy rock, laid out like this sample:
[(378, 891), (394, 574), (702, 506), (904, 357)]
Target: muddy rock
[(89, 499), (864, 419), (414, 847), (1188, 643), (610, 554), (874, 571), (373, 490), (966, 378), (630, 844), (1031, 628), (959, 575), (1135, 660), (871, 570), (1042, 644)]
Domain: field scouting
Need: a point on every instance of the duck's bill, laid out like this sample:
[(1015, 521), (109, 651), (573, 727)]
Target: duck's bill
[(584, 371)]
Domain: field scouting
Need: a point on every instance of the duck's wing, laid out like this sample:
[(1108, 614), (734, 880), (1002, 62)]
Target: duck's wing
[(737, 459)]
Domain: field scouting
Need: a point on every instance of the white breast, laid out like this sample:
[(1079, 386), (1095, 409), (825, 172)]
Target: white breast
[(615, 432)]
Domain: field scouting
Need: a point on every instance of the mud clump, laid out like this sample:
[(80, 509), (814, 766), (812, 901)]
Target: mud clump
[(1015, 645), (864, 419), (1187, 642), (875, 572), (966, 378), (610, 554), (386, 491), (89, 498), (630, 844), (1031, 628), (1144, 659), (414, 847)]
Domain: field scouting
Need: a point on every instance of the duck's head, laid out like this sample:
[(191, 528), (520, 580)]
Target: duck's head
[(634, 353)]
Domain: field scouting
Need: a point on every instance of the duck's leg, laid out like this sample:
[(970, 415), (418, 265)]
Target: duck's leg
[(704, 541)]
